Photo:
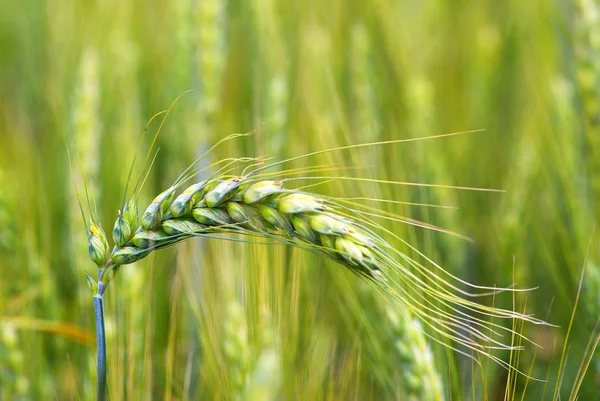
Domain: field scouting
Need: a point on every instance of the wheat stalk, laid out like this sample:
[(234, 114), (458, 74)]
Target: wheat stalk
[(257, 206)]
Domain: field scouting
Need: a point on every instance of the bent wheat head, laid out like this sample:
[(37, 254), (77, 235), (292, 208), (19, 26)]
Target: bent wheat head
[(224, 206), (254, 205), (243, 205)]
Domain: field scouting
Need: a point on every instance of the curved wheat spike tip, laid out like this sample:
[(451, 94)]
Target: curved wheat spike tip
[(227, 205)]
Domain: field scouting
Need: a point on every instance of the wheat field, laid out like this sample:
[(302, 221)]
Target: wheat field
[(512, 201)]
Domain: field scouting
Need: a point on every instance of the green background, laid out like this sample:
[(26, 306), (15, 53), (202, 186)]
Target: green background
[(221, 320)]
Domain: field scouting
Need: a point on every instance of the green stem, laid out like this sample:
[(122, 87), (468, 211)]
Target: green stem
[(101, 338)]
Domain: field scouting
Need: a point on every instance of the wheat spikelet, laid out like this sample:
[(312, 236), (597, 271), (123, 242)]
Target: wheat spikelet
[(395, 351), (420, 378), (13, 383), (235, 346), (264, 368), (86, 131), (209, 17)]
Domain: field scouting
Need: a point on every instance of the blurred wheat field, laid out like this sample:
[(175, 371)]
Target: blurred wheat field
[(223, 320)]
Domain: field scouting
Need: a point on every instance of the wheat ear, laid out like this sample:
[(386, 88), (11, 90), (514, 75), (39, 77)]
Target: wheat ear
[(225, 206), (243, 205), (256, 207)]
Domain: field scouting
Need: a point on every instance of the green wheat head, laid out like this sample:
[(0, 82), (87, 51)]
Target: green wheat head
[(242, 201)]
